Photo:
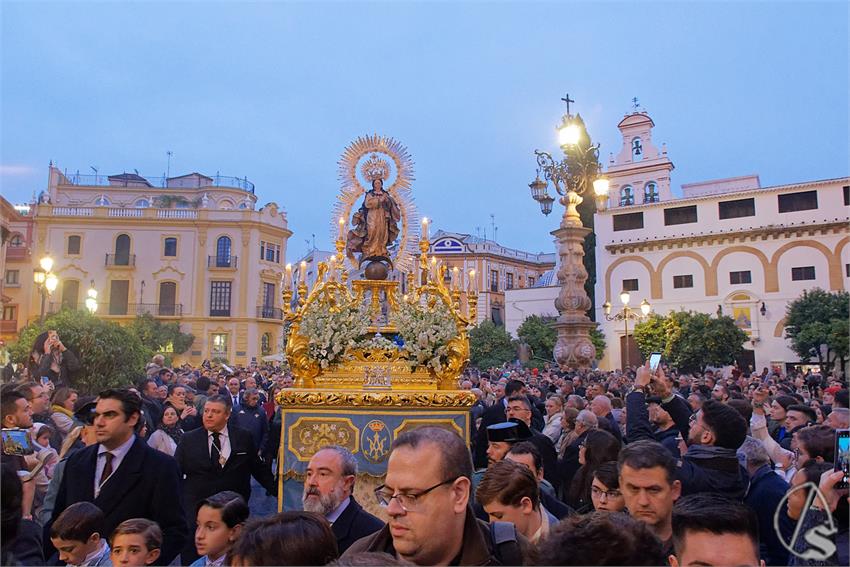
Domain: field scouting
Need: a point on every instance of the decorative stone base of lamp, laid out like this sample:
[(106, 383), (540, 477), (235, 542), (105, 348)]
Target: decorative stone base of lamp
[(573, 348)]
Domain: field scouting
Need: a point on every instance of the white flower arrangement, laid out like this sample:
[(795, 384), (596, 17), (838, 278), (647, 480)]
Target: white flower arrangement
[(426, 332), (377, 342), (332, 333)]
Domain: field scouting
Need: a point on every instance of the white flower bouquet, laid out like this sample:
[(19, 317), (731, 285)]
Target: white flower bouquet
[(332, 331), (426, 331)]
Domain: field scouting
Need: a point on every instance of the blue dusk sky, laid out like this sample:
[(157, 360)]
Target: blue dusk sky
[(275, 91)]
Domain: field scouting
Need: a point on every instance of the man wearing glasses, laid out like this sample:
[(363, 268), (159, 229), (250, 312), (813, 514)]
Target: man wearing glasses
[(426, 496)]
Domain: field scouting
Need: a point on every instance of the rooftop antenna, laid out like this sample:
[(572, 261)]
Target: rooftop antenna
[(169, 153), (314, 241), (93, 168), (493, 217), (136, 170)]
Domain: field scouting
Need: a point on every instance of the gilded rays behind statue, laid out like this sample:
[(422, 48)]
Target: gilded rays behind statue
[(375, 214)]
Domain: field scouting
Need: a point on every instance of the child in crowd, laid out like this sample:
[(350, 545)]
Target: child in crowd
[(76, 535), (220, 520), (136, 543)]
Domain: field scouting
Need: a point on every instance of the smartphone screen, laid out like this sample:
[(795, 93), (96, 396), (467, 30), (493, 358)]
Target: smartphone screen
[(842, 455), (654, 360)]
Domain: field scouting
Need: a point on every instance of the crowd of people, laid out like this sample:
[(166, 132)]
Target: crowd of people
[(642, 467)]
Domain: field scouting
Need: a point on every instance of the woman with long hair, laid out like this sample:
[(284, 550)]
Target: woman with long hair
[(62, 409), (168, 432), (598, 447)]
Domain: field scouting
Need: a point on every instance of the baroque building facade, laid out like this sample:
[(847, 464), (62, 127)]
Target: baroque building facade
[(194, 249), (727, 246)]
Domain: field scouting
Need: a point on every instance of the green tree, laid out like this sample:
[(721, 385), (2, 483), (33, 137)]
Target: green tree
[(597, 337), (161, 337), (110, 355), (650, 334), (490, 345), (697, 340), (540, 336), (818, 324)]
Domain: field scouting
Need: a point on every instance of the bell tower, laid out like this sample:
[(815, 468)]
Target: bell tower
[(640, 173)]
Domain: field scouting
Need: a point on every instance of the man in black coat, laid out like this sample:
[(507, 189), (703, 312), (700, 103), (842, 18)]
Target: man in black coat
[(328, 490), (497, 413), (218, 457), (125, 477)]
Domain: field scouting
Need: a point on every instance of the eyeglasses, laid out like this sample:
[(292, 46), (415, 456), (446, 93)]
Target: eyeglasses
[(693, 419), (599, 493), (408, 502)]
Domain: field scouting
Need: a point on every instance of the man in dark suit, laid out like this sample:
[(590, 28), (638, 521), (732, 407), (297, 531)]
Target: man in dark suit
[(497, 413), (328, 490), (125, 477), (218, 457)]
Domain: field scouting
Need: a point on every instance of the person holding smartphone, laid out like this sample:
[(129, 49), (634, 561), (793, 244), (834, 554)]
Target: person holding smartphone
[(52, 359)]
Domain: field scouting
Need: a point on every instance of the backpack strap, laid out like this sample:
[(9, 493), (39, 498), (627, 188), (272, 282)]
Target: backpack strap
[(505, 543)]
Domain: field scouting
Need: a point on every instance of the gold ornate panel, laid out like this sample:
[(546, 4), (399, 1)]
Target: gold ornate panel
[(309, 434)]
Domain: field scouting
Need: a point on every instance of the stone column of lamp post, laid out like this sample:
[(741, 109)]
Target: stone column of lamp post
[(571, 177)]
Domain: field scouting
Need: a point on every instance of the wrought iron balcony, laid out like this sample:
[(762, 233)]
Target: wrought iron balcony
[(120, 260), (157, 309), (222, 262), (267, 312)]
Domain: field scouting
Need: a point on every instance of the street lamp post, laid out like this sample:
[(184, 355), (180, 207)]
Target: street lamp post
[(46, 281), (571, 177), (625, 314), (91, 300)]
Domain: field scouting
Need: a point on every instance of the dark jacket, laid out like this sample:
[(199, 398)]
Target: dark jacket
[(767, 490), (69, 364), (203, 480), (354, 523), (548, 456), (254, 421), (568, 465), (493, 415), (723, 474), (477, 548), (145, 485), (638, 425)]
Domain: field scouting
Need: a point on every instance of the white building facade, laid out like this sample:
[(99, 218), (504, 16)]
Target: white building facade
[(728, 246)]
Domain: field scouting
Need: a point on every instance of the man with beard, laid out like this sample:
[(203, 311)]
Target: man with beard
[(328, 490)]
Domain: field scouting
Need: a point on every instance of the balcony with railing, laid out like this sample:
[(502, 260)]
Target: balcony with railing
[(160, 181), (268, 312), (227, 262), (158, 309), (17, 253), (120, 260), (8, 326)]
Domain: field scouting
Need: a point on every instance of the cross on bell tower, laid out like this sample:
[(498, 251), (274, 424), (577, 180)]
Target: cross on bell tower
[(568, 100), (635, 104)]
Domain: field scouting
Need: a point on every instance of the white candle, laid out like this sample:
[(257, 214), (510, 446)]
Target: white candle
[(473, 284), (455, 278), (341, 228), (287, 278), (425, 228), (303, 275), (434, 273)]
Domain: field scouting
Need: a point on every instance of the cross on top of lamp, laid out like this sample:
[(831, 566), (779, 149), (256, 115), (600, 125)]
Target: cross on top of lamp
[(571, 176)]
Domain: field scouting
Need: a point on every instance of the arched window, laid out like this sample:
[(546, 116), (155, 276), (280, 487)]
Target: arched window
[(183, 204), (16, 241), (637, 149), (650, 192), (627, 196), (142, 203), (266, 344), (222, 252), (70, 293), (74, 242), (122, 250), (102, 201), (167, 299)]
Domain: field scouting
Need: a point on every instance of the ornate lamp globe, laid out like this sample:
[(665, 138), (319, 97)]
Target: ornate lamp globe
[(645, 307), (569, 134), (46, 263), (625, 297)]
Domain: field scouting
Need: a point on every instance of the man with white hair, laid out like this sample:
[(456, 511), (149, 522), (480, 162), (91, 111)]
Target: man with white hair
[(765, 495), (568, 464), (601, 408), (329, 491), (839, 418)]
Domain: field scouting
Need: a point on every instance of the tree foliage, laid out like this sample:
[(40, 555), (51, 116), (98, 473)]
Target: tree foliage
[(161, 337), (650, 335), (819, 318), (691, 341), (490, 345), (110, 355), (539, 334)]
